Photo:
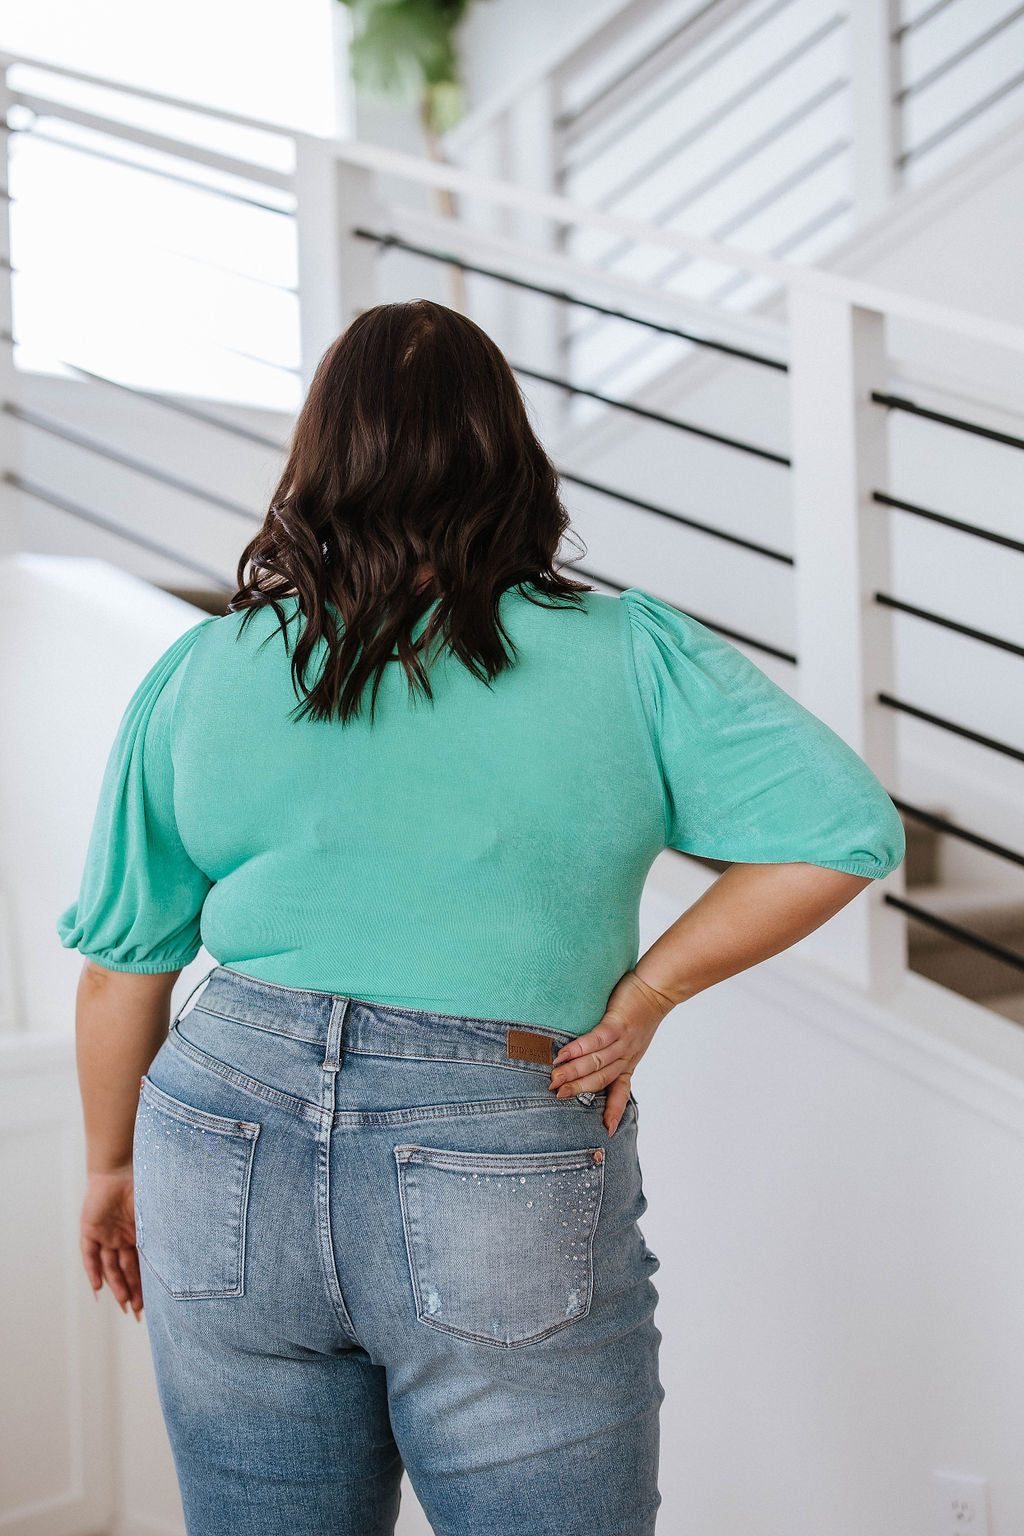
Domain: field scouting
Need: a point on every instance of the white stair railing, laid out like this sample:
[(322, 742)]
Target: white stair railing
[(958, 78), (355, 212), (782, 125)]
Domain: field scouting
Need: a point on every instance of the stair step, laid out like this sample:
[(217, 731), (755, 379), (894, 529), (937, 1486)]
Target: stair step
[(921, 866), (972, 973), (209, 599), (1009, 1004), (993, 914)]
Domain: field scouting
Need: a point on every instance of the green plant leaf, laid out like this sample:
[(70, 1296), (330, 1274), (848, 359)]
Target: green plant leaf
[(405, 49)]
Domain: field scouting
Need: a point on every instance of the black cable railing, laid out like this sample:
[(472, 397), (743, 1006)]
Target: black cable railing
[(882, 498), (943, 419), (946, 623), (677, 517), (635, 83), (956, 931), (948, 130), (991, 742), (75, 509), (941, 824), (914, 23), (694, 131), (120, 530), (938, 823), (720, 629), (395, 242), (722, 438), (210, 419), (953, 829), (126, 461), (959, 55), (749, 151), (1007, 749), (946, 521), (768, 198), (181, 408)]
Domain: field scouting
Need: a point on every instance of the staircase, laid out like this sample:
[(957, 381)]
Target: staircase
[(662, 188), (780, 125)]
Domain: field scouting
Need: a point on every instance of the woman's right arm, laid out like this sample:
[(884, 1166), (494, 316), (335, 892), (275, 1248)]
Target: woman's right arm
[(751, 912)]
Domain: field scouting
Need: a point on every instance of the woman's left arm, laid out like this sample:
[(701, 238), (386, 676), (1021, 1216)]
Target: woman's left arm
[(121, 1021)]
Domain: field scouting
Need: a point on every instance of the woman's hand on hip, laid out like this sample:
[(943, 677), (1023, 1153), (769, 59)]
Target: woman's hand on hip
[(607, 1054)]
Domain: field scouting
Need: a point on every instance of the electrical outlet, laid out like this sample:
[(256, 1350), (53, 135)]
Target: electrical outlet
[(959, 1505)]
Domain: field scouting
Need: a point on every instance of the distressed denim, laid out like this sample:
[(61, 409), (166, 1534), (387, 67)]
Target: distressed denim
[(373, 1241)]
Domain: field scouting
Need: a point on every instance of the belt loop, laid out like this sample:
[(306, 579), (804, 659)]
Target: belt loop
[(339, 1010)]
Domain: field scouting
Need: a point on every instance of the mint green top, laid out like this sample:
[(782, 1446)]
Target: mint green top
[(481, 856)]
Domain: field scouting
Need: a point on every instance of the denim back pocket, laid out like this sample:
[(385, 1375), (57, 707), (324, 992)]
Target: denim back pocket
[(500, 1245), (192, 1175)]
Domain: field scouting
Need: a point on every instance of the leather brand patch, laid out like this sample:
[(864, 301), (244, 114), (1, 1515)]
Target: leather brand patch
[(527, 1045)]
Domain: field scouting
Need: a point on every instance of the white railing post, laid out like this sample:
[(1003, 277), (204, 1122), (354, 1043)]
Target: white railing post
[(337, 271), (841, 547), (874, 109), (10, 498), (531, 163), (518, 146), (487, 155)]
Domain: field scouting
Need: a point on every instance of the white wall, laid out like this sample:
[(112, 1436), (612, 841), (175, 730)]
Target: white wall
[(837, 1202), (76, 638), (57, 1405)]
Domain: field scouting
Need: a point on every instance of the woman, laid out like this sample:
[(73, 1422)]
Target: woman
[(382, 1176)]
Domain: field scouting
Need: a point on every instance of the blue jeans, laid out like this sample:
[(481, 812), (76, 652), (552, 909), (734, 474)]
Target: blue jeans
[(372, 1239)]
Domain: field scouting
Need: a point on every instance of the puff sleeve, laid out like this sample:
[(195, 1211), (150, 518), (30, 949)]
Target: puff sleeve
[(749, 774), (141, 896)]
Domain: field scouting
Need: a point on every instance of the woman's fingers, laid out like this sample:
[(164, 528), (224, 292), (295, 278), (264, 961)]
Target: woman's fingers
[(133, 1279), (589, 1063), (615, 1103), (600, 1038), (120, 1268), (601, 1052), (113, 1276), (91, 1261), (591, 1072)]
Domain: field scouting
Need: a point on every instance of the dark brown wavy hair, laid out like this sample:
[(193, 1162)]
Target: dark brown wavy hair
[(413, 476)]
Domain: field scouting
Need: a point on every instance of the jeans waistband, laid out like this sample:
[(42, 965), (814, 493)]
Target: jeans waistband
[(357, 1024)]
